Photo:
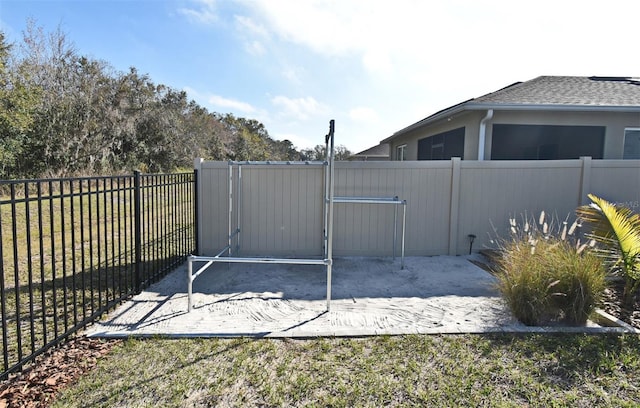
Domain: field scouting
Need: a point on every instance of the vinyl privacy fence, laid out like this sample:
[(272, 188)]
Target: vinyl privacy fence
[(280, 210)]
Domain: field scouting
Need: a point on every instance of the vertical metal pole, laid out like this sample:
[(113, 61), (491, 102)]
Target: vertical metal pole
[(16, 272), (230, 205), (3, 306), (27, 214), (155, 189), (404, 224), (90, 225), (330, 214), (196, 210), (395, 229), (63, 234), (239, 207), (82, 253), (106, 242), (42, 277), (325, 207), (120, 237), (53, 259), (189, 282), (137, 229), (113, 241)]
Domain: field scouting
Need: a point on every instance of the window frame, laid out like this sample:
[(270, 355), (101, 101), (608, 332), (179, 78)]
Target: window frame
[(401, 152), (523, 141), (443, 146), (624, 142)]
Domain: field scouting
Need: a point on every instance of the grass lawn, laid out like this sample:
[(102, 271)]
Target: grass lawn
[(448, 370)]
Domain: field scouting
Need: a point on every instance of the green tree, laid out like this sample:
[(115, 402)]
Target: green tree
[(203, 134), (285, 150), (18, 103), (62, 113), (249, 139), (55, 141), (319, 152)]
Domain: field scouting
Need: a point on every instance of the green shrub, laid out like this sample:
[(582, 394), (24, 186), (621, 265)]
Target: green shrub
[(545, 278)]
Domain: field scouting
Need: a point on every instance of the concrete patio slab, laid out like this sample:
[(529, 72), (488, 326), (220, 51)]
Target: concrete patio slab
[(371, 296)]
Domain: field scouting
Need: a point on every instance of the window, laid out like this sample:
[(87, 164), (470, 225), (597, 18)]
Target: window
[(546, 142), (442, 146), (401, 152), (631, 143)]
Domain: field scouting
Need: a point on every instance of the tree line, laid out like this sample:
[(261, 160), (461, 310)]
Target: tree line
[(63, 114)]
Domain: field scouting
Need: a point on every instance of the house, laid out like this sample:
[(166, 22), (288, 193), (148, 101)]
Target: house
[(375, 153), (549, 117)]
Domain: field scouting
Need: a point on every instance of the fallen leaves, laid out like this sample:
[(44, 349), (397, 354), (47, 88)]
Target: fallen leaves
[(59, 367)]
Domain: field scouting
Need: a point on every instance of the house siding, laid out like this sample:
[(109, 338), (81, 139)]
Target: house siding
[(469, 120), (614, 123)]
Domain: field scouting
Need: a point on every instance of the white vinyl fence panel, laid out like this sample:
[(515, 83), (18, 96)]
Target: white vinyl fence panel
[(281, 206)]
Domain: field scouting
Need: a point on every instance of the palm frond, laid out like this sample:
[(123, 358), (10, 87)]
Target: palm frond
[(611, 224), (617, 229)]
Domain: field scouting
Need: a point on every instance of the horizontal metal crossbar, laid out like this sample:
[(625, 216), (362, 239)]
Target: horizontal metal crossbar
[(280, 163), (289, 261), (370, 200)]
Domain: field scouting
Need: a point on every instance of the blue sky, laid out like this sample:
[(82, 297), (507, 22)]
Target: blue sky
[(373, 66)]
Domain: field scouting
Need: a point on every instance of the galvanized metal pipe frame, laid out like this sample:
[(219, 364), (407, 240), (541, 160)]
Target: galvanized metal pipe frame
[(328, 202), (384, 200), (210, 260), (327, 233)]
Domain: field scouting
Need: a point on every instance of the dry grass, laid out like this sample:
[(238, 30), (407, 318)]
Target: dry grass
[(469, 370)]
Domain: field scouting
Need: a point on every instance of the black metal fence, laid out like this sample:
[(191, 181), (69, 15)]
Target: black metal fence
[(72, 248)]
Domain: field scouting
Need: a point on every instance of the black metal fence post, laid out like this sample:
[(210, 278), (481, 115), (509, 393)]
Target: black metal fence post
[(3, 313), (137, 197)]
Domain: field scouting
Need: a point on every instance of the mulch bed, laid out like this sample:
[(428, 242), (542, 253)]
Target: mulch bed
[(612, 304), (59, 367)]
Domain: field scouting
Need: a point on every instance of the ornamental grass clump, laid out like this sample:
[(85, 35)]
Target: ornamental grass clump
[(546, 276)]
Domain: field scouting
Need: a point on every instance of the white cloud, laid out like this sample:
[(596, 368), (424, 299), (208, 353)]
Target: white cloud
[(293, 74), (232, 104), (255, 48), (254, 34), (372, 30), (299, 108), (363, 114), (248, 25), (413, 39), (204, 12)]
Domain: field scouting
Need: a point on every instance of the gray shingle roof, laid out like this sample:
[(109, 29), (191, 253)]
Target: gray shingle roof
[(567, 90), (381, 150), (550, 93)]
